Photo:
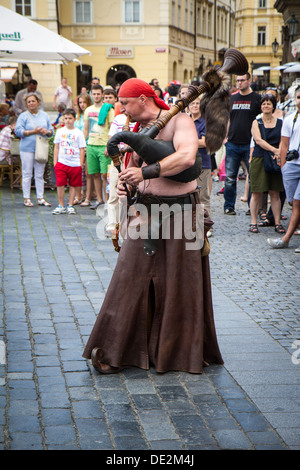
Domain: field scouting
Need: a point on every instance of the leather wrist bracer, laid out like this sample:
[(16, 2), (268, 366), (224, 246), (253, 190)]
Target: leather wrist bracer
[(151, 171)]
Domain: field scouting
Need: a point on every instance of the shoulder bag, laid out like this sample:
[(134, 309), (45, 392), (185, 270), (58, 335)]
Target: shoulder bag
[(41, 147)]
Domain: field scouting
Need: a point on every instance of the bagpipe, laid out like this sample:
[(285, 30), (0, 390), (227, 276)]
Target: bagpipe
[(214, 106)]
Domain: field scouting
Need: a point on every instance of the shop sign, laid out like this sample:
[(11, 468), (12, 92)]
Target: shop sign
[(115, 51)]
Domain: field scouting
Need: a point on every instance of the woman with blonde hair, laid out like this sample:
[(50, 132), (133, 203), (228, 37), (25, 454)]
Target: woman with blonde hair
[(31, 123), (84, 101)]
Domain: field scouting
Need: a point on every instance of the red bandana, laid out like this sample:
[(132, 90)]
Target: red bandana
[(135, 87)]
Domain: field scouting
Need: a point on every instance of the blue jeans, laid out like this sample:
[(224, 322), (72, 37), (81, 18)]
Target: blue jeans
[(234, 155)]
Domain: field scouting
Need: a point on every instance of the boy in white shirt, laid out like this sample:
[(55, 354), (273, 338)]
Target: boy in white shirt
[(68, 161)]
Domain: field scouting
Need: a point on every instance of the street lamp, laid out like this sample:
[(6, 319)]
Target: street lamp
[(293, 26), (202, 60), (275, 46)]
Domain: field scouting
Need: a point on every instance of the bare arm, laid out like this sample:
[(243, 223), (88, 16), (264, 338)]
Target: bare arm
[(201, 142), (283, 148), (55, 154), (86, 128), (82, 155)]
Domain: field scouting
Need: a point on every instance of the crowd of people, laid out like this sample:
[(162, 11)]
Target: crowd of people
[(144, 320), (255, 134)]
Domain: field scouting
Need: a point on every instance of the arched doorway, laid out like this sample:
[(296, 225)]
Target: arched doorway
[(84, 76), (118, 74)]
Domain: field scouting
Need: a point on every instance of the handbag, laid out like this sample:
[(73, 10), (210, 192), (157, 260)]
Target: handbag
[(270, 163), (41, 149)]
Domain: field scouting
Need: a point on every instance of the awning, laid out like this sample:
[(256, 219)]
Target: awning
[(7, 73), (284, 66), (293, 69), (258, 72), (264, 68)]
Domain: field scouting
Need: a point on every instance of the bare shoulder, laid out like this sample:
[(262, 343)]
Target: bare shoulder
[(178, 122)]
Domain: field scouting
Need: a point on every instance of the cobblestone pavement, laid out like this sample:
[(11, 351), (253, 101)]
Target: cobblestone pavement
[(54, 274)]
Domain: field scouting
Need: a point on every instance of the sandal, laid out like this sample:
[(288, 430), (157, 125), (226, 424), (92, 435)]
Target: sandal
[(279, 228), (28, 203), (283, 217), (99, 366), (253, 228), (266, 223), (43, 202), (86, 203), (263, 216), (77, 201)]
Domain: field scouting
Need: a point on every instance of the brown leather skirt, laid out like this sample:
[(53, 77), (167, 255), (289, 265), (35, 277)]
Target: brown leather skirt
[(158, 310)]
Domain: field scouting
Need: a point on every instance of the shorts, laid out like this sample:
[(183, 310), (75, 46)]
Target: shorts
[(260, 180), (97, 162), (65, 174), (291, 180)]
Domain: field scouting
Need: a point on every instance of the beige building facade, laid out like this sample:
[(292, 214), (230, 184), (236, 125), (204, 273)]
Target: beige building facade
[(164, 39), (258, 24)]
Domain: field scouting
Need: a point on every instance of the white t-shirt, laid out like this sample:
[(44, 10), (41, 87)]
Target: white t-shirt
[(70, 142), (293, 133), (117, 125)]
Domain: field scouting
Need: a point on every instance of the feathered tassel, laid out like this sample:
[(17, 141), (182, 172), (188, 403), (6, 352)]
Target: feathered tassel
[(215, 108)]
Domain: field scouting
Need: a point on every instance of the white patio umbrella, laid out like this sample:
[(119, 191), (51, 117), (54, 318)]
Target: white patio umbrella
[(292, 68), (284, 66), (23, 40), (264, 68)]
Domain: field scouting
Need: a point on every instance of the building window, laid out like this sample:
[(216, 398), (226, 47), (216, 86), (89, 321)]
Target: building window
[(23, 7), (132, 11), (179, 14), (191, 16), (204, 21), (173, 13), (262, 3), (83, 12), (261, 36)]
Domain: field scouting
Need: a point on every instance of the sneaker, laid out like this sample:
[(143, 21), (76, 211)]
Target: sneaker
[(71, 210), (59, 210), (297, 250), (230, 211), (277, 243), (215, 179)]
